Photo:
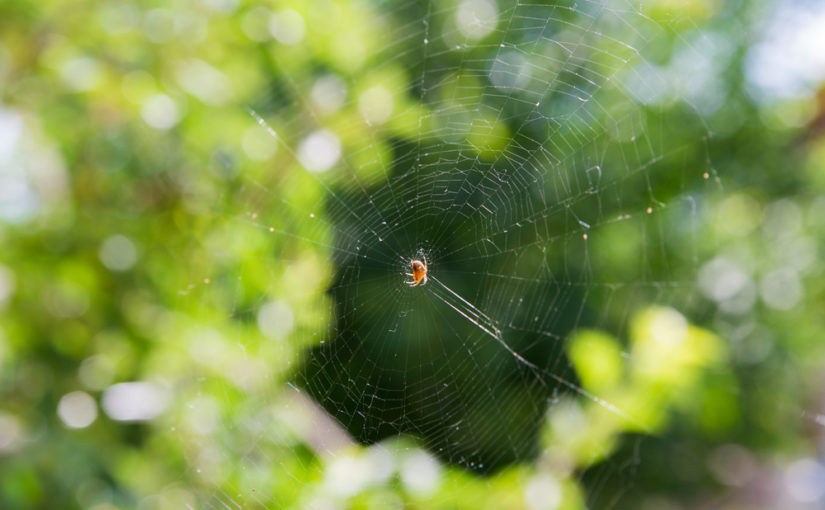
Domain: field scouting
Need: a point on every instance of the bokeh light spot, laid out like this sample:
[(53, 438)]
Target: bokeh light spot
[(275, 319), (543, 492), (77, 409), (805, 481), (161, 112), (81, 74), (258, 144), (134, 401), (287, 27), (319, 151), (203, 81), (328, 93), (781, 289), (11, 433), (118, 253), (509, 71), (421, 473), (476, 18), (375, 105)]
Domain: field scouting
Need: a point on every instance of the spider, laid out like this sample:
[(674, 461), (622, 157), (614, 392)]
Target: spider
[(419, 273)]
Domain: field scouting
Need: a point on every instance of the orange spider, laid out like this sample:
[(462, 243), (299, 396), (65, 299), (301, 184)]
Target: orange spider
[(419, 273)]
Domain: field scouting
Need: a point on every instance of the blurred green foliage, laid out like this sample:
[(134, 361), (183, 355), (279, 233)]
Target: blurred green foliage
[(176, 281)]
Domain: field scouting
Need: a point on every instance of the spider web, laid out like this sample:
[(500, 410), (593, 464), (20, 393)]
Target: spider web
[(529, 153)]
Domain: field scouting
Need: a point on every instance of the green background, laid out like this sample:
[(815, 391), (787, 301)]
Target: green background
[(148, 219)]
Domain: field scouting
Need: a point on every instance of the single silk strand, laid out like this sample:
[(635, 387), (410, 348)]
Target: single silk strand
[(486, 324), (477, 317)]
